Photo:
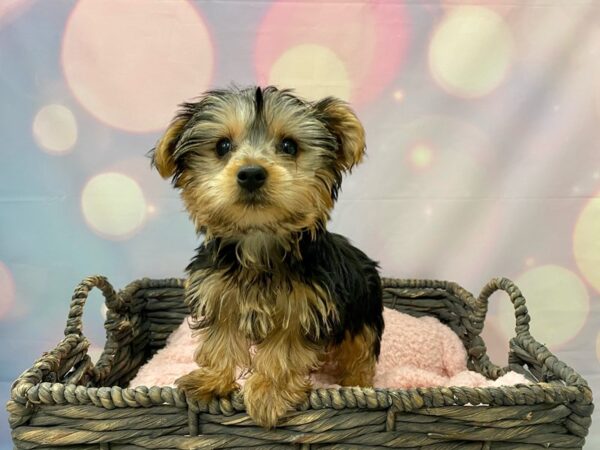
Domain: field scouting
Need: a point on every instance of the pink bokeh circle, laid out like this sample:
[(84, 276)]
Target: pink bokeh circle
[(130, 63)]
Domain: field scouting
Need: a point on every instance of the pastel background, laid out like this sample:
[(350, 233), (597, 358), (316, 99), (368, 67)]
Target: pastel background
[(482, 120)]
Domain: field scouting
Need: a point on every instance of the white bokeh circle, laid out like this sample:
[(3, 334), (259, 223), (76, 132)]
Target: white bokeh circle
[(55, 129), (113, 205)]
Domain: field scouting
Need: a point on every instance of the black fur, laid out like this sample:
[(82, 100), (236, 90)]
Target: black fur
[(344, 271), (259, 101)]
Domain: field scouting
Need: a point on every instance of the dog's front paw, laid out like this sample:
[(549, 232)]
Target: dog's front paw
[(203, 384), (266, 402)]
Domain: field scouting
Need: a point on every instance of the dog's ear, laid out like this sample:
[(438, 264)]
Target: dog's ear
[(162, 155), (343, 123)]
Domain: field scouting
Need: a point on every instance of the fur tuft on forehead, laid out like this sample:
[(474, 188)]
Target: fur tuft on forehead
[(259, 101)]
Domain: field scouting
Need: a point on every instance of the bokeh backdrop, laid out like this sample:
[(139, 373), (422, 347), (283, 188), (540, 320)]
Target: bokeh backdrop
[(482, 121)]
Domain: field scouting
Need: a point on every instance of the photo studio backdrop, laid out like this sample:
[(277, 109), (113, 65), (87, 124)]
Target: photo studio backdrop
[(483, 130)]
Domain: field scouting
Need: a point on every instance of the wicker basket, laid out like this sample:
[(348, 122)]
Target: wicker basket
[(65, 401)]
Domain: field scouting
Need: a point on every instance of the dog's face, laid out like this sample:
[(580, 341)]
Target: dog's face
[(259, 159)]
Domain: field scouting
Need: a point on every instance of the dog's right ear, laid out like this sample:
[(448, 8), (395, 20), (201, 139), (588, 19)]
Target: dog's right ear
[(163, 154)]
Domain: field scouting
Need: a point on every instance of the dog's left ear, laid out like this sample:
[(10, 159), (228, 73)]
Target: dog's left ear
[(343, 123), (162, 154)]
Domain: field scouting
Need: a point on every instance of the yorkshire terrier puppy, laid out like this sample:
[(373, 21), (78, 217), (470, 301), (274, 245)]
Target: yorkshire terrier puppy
[(259, 171)]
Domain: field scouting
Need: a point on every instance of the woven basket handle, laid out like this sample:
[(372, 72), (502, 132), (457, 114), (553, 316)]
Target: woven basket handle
[(517, 299), (113, 301)]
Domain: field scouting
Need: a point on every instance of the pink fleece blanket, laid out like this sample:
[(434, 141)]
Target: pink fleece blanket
[(415, 352)]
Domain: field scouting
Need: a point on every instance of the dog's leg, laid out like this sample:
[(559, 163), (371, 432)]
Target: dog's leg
[(354, 359), (222, 351), (279, 380)]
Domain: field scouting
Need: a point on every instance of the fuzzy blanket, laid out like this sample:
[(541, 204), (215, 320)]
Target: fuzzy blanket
[(415, 352)]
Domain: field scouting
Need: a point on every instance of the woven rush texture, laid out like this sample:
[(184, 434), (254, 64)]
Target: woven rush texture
[(64, 401)]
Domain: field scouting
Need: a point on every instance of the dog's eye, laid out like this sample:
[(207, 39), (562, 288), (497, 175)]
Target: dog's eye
[(223, 147), (289, 146)]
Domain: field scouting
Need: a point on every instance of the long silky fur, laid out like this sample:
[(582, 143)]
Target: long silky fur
[(345, 274), (268, 272)]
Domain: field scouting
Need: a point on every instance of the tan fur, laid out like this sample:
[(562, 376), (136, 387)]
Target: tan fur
[(352, 363), (224, 348), (293, 199), (163, 153), (279, 379), (346, 125)]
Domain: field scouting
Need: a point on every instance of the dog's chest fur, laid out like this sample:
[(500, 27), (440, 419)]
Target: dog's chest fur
[(254, 291)]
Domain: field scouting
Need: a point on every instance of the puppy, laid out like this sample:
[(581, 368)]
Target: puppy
[(259, 170)]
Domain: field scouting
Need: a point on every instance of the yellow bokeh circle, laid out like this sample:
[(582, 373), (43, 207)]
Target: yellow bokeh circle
[(398, 95), (313, 71), (586, 242), (55, 129), (471, 51), (113, 205), (421, 156), (557, 301)]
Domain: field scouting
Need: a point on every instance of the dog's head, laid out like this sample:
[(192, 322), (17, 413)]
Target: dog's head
[(259, 159)]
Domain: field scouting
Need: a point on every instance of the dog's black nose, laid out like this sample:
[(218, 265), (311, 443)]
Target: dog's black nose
[(251, 177)]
